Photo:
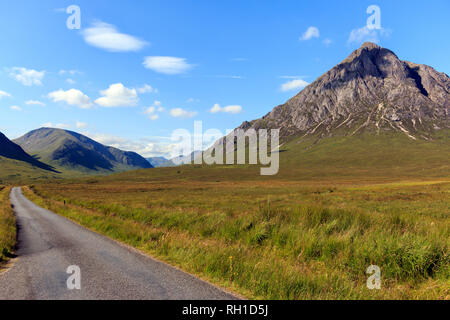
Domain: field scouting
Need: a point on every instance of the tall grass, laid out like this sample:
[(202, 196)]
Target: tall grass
[(276, 241), (7, 225)]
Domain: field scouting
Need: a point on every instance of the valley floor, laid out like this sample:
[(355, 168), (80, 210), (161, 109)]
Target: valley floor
[(276, 239)]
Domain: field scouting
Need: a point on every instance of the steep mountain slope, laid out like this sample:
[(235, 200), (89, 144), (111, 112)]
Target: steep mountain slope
[(160, 162), (10, 150), (370, 91), (371, 115), (74, 152)]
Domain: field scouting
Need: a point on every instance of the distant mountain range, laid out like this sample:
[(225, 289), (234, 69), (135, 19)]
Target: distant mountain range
[(188, 159), (372, 111), (71, 151), (66, 153), (159, 162)]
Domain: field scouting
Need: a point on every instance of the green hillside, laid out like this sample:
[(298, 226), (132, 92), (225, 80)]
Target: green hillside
[(71, 152), (17, 172), (385, 155), (364, 157)]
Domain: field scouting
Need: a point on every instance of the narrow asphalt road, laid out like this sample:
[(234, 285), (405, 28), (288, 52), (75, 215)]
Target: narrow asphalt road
[(48, 244)]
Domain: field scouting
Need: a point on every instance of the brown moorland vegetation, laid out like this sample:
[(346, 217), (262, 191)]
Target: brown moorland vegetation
[(274, 239)]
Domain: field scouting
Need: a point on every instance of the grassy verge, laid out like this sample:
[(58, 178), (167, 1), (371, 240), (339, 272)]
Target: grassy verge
[(7, 225), (276, 240)]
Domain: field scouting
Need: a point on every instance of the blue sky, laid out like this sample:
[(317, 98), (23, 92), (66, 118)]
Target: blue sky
[(137, 70)]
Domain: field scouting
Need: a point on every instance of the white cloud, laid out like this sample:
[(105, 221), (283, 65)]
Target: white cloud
[(70, 81), (365, 34), (296, 84), (27, 77), (181, 113), (117, 95), (167, 65), (106, 36), (147, 89), (158, 104), (327, 42), (35, 102), (4, 94), (146, 147), (62, 126), (151, 111), (81, 125), (232, 109), (108, 140), (58, 125), (71, 72), (215, 109), (72, 97), (227, 109), (222, 76), (311, 32), (16, 108)]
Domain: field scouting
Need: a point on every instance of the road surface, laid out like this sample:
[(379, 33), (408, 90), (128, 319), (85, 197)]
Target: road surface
[(48, 244)]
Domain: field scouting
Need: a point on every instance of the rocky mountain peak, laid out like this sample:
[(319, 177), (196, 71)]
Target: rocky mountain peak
[(371, 90), (370, 45), (368, 49)]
